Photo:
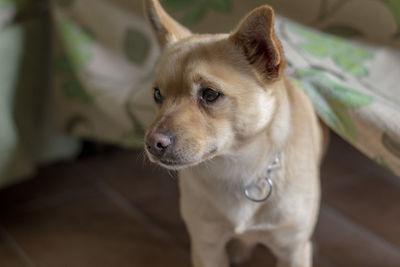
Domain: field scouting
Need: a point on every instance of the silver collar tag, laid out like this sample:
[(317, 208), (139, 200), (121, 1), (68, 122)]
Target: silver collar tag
[(260, 192)]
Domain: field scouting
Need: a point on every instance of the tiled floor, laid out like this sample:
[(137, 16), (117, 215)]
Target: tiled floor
[(112, 209)]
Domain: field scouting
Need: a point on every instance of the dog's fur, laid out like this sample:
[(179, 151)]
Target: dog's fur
[(222, 146)]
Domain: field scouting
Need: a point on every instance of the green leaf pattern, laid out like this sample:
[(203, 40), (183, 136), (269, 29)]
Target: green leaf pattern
[(348, 57), (381, 161), (71, 86), (5, 3), (77, 42), (391, 145), (394, 6), (132, 140), (332, 100), (343, 30), (136, 46), (18, 3), (194, 10), (223, 6), (65, 3)]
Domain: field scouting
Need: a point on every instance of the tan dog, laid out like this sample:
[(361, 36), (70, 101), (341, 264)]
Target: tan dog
[(226, 113)]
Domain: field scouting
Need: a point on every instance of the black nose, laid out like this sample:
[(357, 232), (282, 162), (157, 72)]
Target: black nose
[(157, 143)]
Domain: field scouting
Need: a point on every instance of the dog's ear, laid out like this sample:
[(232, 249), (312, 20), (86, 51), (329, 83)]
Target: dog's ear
[(166, 28), (255, 36)]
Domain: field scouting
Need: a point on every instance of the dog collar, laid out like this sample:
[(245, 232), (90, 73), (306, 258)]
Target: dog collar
[(261, 191)]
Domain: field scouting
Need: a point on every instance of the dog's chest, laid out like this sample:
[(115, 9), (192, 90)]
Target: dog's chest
[(223, 202), (246, 216)]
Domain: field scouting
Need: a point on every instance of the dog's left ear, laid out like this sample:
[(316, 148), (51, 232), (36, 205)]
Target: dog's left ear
[(255, 36), (166, 28)]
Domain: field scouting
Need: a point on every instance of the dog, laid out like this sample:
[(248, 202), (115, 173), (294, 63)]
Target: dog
[(246, 141)]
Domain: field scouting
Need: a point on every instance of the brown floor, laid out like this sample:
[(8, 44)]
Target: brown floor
[(111, 209)]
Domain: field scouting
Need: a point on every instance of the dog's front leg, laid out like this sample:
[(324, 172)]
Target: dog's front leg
[(209, 230), (211, 253), (208, 235), (295, 255)]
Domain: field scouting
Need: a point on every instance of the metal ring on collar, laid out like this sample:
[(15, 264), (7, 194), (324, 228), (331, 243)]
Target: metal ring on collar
[(247, 193)]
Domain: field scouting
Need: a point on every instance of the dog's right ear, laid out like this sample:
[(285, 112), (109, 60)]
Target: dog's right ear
[(256, 38), (166, 28)]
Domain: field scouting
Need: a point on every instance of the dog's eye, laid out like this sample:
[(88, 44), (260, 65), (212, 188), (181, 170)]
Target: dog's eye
[(210, 95), (157, 96)]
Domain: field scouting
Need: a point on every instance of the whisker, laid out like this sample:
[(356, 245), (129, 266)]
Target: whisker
[(145, 159)]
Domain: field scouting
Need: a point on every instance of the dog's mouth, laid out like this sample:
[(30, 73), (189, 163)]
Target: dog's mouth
[(178, 164)]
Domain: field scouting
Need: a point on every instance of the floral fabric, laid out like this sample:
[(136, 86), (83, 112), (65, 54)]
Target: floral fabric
[(27, 131), (105, 70), (104, 55)]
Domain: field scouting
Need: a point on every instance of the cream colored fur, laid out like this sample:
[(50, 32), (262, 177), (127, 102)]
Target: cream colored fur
[(221, 147)]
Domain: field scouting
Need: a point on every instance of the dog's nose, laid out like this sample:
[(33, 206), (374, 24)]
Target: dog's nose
[(157, 143)]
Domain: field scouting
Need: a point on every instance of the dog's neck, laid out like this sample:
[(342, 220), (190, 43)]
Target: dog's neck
[(251, 160)]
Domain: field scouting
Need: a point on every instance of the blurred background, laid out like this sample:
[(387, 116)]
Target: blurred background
[(75, 98)]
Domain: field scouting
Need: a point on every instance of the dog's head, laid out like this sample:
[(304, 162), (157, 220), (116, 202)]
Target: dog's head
[(213, 92)]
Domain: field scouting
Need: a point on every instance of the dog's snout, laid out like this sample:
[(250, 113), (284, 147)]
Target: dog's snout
[(157, 143)]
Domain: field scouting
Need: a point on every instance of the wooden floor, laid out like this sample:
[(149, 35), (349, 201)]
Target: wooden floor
[(111, 209)]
